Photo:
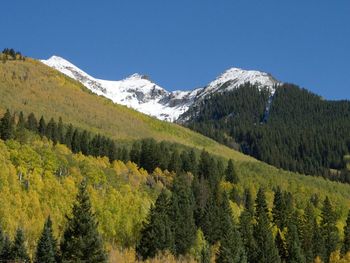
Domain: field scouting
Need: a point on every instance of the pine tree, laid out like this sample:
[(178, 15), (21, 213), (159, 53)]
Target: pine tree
[(42, 127), (281, 246), (329, 229), (157, 234), (247, 231), (5, 254), (232, 248), (51, 131), (230, 173), (175, 162), (248, 201), (2, 240), (76, 141), (346, 243), (60, 132), (318, 244), (46, 251), (18, 249), (295, 252), (21, 122), (81, 241), (266, 250), (279, 209), (6, 126), (308, 230), (32, 123), (182, 203), (68, 136)]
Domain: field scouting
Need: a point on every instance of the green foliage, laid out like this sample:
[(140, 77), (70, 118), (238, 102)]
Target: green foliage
[(346, 243), (230, 173), (295, 252), (182, 203), (18, 249), (46, 251), (6, 126), (329, 229), (81, 241), (266, 250), (157, 235), (292, 134)]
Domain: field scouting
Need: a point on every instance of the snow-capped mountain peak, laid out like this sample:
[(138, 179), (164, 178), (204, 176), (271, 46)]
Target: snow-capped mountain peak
[(140, 93)]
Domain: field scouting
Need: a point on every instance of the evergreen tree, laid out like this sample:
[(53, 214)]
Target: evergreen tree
[(46, 251), (308, 230), (5, 254), (279, 209), (248, 201), (76, 142), (21, 122), (6, 126), (18, 249), (247, 230), (182, 203), (230, 173), (81, 241), (2, 240), (42, 127), (318, 244), (346, 243), (266, 250), (281, 246), (32, 123), (60, 130), (232, 248), (157, 234), (175, 162), (295, 252), (329, 229), (68, 136), (51, 131)]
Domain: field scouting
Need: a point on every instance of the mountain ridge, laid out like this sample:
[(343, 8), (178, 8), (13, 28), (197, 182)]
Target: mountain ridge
[(140, 93)]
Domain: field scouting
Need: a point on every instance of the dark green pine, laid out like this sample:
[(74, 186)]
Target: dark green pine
[(182, 202), (81, 241), (32, 123), (346, 243), (6, 126), (18, 249), (46, 251), (5, 254), (329, 229), (157, 234), (230, 173), (231, 248), (42, 127), (266, 250), (295, 252)]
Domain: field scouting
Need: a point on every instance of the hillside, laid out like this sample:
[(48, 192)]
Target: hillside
[(204, 196), (31, 86), (294, 129)]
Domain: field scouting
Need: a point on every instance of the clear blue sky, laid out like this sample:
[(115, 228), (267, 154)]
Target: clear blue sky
[(184, 44)]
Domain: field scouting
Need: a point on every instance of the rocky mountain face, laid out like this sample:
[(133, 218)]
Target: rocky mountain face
[(140, 93)]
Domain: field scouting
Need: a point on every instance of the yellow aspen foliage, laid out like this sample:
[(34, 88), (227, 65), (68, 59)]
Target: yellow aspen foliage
[(318, 260)]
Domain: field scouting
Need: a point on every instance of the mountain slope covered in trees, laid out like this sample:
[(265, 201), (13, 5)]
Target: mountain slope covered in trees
[(295, 129)]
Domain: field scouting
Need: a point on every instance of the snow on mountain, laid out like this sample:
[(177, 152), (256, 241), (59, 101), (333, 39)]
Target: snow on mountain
[(140, 93)]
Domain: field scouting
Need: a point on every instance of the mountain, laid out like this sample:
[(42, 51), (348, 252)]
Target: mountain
[(297, 131), (140, 93), (31, 86)]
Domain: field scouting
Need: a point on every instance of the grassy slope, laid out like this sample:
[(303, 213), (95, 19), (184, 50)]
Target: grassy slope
[(33, 87)]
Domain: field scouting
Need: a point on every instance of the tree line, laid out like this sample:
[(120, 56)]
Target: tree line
[(11, 54), (80, 241)]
